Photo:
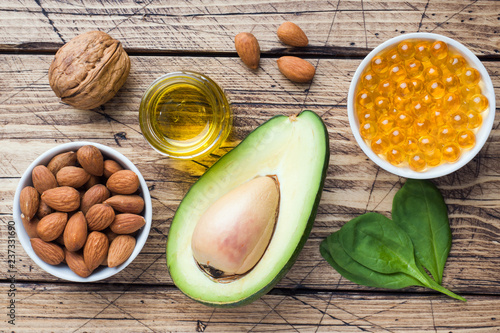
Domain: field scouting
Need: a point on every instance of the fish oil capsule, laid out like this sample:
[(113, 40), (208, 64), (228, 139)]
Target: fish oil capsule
[(439, 50), (451, 82), (417, 162), (440, 63), (422, 51), (414, 68), (455, 63), (370, 80), (385, 123), (393, 57), (418, 85), (405, 89), (364, 98), (418, 109), (469, 91), (427, 143), (451, 102), (426, 99), (478, 103), (379, 144), (367, 115), (380, 65), (421, 126), (470, 76), (446, 134), (432, 73), (395, 156), (406, 49), (386, 88), (458, 120), (396, 136), (451, 152), (404, 120), (382, 103), (436, 89), (466, 139), (400, 103), (368, 130), (438, 117), (474, 119), (410, 145), (434, 157), (393, 113), (397, 72)]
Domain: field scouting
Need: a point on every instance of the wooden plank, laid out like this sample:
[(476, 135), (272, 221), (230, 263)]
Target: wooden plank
[(121, 307), (33, 120), (335, 28)]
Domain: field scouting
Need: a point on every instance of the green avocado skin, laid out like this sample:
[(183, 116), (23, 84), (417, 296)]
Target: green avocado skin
[(310, 221)]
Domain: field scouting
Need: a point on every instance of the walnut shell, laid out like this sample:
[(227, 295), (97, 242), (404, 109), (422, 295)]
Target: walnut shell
[(89, 70)]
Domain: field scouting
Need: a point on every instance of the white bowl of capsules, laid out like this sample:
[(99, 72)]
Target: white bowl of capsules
[(421, 105)]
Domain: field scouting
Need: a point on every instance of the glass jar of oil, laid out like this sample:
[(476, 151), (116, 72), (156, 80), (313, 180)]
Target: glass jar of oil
[(185, 115)]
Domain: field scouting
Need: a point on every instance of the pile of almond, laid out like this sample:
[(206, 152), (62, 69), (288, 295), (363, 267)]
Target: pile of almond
[(82, 210)]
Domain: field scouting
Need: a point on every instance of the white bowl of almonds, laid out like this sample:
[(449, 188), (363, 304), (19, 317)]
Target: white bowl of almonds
[(82, 211)]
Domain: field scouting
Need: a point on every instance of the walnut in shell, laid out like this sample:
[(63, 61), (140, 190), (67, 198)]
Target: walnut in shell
[(89, 70)]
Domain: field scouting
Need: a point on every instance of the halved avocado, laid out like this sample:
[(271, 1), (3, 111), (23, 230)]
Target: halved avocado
[(293, 149)]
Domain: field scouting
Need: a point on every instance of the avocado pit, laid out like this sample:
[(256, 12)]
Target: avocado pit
[(234, 232)]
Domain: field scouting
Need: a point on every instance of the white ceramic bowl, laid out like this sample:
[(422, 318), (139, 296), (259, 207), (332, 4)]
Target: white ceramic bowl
[(62, 270), (481, 136)]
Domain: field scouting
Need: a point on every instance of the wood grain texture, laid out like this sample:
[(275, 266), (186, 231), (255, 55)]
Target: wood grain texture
[(110, 307), (334, 28), (34, 120)]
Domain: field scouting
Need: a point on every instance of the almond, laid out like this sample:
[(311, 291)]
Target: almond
[(110, 167), (123, 182), (94, 195), (43, 179), (72, 176), (120, 250), (30, 226), (51, 253), (127, 223), (75, 233), (93, 180), (95, 249), (90, 158), (60, 240), (76, 263), (126, 203), (291, 34), (28, 201), (52, 226), (104, 261), (64, 198), (296, 69), (99, 217), (43, 210), (248, 49), (61, 160), (110, 234)]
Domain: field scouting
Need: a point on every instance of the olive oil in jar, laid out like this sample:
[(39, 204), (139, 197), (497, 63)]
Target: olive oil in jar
[(185, 115)]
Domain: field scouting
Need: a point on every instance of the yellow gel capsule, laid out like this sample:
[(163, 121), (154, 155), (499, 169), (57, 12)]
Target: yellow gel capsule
[(421, 126), (470, 76), (417, 162), (368, 130), (385, 123), (365, 99), (466, 139), (400, 103), (410, 145), (451, 102), (439, 50), (386, 88), (395, 156), (469, 91), (451, 82), (438, 117), (432, 73), (451, 152), (380, 144), (458, 120), (379, 64), (422, 51), (393, 113), (446, 134), (414, 68), (455, 63), (425, 98), (396, 136), (418, 109), (366, 115), (478, 103), (393, 57), (405, 89), (434, 157), (427, 143), (418, 85), (474, 119), (382, 103), (436, 89), (397, 72), (370, 80), (406, 49), (404, 120)]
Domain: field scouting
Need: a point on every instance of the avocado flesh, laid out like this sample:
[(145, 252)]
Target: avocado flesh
[(294, 149)]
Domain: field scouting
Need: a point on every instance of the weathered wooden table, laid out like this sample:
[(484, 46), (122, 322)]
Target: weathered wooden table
[(164, 36)]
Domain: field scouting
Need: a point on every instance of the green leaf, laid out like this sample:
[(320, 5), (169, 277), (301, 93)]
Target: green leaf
[(350, 269), (419, 209)]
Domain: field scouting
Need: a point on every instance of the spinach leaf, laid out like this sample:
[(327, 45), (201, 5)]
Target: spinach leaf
[(419, 209)]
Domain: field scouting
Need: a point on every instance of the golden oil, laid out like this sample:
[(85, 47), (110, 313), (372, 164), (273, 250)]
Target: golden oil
[(185, 115)]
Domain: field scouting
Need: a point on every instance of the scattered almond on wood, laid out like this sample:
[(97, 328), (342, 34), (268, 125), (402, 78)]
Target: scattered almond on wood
[(248, 49), (291, 34), (296, 69)]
